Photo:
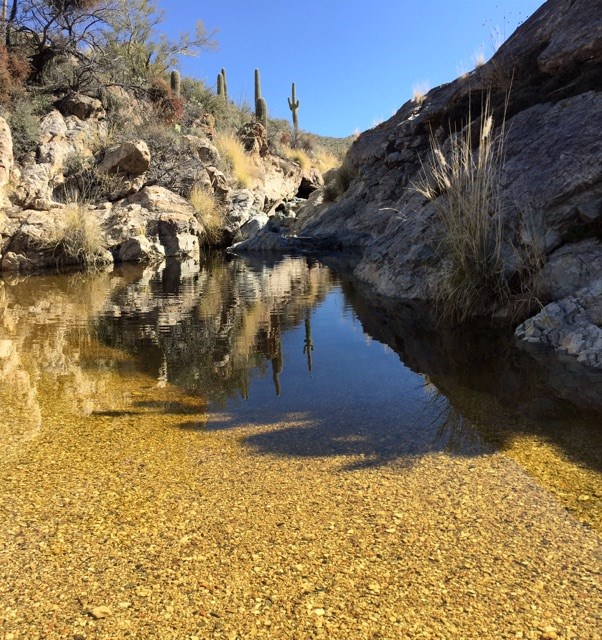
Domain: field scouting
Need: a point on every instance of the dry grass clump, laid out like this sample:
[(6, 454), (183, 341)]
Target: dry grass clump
[(326, 160), (299, 156), (419, 92), (466, 184), (338, 181), (78, 239), (209, 214), (238, 162)]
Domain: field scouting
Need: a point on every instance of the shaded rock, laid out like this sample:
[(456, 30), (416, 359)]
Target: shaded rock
[(310, 181), (81, 106), (551, 180), (131, 158), (571, 268), (253, 226), (140, 249), (16, 262), (264, 241), (254, 138)]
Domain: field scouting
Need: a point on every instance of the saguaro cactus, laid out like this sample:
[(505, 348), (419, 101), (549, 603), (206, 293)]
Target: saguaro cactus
[(293, 105), (225, 84), (261, 111), (257, 85), (220, 85), (175, 83)]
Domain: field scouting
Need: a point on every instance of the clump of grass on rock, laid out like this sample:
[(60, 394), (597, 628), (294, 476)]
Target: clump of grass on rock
[(465, 183), (77, 239), (209, 213)]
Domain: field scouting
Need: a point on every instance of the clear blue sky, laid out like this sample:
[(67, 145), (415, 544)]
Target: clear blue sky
[(354, 62)]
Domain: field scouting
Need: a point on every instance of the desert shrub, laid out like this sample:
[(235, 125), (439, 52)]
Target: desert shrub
[(77, 239), (465, 183), (84, 184), (338, 181), (209, 213), (168, 107), (14, 69), (236, 160)]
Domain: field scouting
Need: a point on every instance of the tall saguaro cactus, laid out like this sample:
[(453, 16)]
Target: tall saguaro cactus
[(293, 105), (257, 85), (175, 83), (220, 86), (261, 111), (225, 83)]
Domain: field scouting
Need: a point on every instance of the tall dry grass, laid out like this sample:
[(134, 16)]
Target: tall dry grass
[(209, 214), (465, 182), (77, 239), (238, 162)]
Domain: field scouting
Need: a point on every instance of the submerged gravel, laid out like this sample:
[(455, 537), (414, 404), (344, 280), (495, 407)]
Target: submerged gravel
[(135, 522)]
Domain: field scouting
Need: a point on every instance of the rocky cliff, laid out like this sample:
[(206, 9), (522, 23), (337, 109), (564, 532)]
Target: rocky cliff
[(550, 74), (81, 199)]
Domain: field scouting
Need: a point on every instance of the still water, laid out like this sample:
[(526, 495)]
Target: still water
[(298, 344)]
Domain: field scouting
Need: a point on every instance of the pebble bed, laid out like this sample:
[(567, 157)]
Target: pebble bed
[(136, 521)]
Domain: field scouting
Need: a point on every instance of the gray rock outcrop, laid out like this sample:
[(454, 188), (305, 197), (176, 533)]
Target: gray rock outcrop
[(551, 182), (572, 326)]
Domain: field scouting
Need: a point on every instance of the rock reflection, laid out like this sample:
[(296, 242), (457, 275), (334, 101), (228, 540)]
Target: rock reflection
[(43, 337), (211, 330)]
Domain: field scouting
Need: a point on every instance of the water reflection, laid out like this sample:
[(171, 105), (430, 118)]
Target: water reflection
[(296, 345)]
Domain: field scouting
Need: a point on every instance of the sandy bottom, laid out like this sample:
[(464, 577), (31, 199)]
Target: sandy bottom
[(130, 522)]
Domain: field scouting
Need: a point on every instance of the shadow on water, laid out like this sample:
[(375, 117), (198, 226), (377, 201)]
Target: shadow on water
[(293, 345)]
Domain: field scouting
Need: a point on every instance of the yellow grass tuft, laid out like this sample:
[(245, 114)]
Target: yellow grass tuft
[(78, 239), (326, 160), (299, 156), (419, 91), (239, 163), (209, 214)]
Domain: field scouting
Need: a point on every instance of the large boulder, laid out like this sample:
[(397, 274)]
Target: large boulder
[(131, 158), (59, 140), (81, 106), (202, 149), (160, 215)]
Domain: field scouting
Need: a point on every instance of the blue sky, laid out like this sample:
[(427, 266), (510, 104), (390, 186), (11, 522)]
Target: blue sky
[(354, 62)]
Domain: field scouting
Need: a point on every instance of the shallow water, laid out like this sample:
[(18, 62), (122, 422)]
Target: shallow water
[(292, 342)]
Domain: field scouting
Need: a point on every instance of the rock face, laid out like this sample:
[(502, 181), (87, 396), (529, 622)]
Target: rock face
[(6, 158), (59, 139), (551, 183), (254, 138)]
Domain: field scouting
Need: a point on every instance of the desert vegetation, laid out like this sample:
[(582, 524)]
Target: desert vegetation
[(463, 178)]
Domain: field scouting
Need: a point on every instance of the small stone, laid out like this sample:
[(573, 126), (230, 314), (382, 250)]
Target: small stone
[(100, 612), (319, 611)]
